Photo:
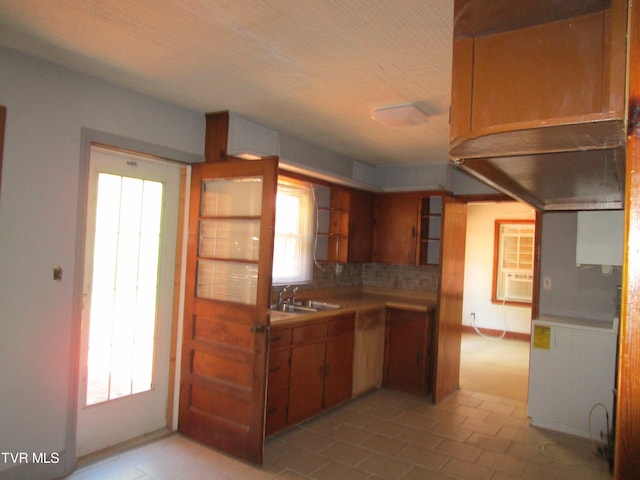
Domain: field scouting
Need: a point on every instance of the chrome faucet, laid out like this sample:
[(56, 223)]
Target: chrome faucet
[(281, 296)]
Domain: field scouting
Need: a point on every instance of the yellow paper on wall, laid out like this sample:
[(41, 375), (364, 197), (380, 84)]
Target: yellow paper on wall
[(542, 337)]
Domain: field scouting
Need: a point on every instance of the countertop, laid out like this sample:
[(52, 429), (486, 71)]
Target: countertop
[(358, 300)]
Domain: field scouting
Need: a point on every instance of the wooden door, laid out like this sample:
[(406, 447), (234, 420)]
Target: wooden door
[(449, 317), (339, 360), (229, 260), (396, 229)]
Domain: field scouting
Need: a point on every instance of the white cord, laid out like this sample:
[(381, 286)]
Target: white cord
[(503, 321)]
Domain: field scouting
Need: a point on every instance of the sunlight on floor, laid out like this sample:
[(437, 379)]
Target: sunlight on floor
[(495, 367)]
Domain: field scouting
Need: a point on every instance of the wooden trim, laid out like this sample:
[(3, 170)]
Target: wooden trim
[(177, 290), (627, 415), (216, 136), (3, 121), (525, 337)]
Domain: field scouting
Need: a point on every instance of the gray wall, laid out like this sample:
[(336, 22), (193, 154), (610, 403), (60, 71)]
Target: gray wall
[(575, 292), (47, 108)]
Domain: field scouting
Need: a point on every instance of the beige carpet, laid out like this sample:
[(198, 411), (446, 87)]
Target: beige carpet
[(495, 367)]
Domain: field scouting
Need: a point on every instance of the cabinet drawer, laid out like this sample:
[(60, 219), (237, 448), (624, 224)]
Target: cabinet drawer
[(407, 319), (278, 378), (340, 325), (309, 333), (279, 338)]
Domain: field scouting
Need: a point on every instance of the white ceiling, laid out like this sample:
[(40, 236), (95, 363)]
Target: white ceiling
[(313, 69)]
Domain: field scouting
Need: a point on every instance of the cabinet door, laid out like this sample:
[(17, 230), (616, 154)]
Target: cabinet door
[(396, 229), (368, 354), (306, 381), (407, 351), (405, 362), (339, 361), (361, 221)]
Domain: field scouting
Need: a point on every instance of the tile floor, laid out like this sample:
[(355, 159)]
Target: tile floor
[(497, 367), (386, 434)]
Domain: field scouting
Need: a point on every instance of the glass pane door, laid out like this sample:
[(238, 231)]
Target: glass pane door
[(229, 239)]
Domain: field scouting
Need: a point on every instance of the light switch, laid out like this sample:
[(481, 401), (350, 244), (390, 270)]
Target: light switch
[(57, 273)]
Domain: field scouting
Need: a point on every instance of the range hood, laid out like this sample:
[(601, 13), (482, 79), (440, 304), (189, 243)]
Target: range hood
[(538, 103)]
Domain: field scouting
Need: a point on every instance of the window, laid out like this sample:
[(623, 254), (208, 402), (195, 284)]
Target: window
[(293, 243), (513, 261)]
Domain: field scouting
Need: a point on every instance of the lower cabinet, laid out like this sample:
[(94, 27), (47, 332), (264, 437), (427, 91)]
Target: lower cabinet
[(319, 358), (368, 356), (278, 379), (408, 350)]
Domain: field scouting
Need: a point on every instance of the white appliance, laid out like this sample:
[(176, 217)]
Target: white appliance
[(571, 372)]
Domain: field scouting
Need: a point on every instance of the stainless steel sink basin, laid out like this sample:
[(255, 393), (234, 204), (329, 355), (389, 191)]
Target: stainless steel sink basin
[(309, 306)]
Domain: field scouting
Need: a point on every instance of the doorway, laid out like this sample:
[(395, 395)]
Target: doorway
[(130, 248), (494, 355)]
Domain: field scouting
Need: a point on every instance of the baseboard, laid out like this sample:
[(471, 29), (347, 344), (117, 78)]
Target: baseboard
[(526, 337)]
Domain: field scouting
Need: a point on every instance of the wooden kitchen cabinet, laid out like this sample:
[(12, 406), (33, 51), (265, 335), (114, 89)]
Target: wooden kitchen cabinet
[(345, 223), (361, 221), (407, 228), (307, 380), (339, 225), (368, 356), (339, 360), (538, 99), (408, 350), (318, 372), (278, 379), (396, 230)]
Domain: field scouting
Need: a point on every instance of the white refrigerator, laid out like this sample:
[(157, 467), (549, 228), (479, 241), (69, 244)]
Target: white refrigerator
[(572, 375)]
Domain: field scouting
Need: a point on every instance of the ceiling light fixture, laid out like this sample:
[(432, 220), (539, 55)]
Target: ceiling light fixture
[(403, 115)]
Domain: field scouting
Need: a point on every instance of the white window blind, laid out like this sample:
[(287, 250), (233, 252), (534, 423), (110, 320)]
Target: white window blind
[(293, 243)]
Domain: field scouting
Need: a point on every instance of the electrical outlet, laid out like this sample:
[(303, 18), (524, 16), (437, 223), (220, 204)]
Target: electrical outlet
[(546, 283)]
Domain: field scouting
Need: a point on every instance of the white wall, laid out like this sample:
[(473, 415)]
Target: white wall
[(47, 106), (478, 268)]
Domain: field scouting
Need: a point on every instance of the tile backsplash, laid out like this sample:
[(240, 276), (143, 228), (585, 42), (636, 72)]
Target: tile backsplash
[(401, 277)]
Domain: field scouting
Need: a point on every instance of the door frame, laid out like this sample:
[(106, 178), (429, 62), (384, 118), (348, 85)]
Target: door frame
[(453, 327), (88, 138)]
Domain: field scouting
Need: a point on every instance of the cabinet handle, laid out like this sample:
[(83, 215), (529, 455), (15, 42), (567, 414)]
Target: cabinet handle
[(418, 357), (413, 232), (327, 369), (276, 338), (275, 368), (272, 410), (321, 371)]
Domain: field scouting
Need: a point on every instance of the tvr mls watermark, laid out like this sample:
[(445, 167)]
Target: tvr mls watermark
[(29, 457)]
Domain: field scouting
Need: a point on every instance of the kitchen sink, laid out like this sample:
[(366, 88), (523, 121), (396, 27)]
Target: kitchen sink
[(309, 306), (320, 306)]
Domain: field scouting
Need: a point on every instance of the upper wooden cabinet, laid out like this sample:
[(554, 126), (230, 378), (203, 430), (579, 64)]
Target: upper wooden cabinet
[(361, 221), (345, 225), (408, 228), (396, 230), (537, 95)]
